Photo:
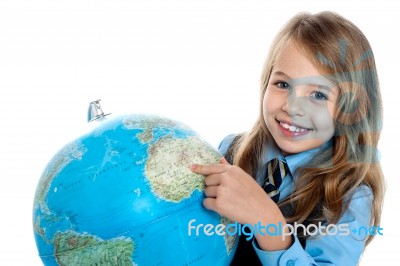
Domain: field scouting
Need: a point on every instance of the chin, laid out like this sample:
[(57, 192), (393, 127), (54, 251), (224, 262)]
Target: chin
[(293, 148), (290, 150)]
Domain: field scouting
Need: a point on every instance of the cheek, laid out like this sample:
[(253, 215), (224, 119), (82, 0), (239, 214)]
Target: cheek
[(324, 122), (269, 105), (265, 105)]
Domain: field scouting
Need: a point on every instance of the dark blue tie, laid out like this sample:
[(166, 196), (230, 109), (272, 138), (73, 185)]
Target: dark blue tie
[(276, 171)]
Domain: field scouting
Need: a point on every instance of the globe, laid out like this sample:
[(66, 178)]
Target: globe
[(122, 194)]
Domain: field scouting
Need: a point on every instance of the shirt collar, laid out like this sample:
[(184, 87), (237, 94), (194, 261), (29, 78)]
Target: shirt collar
[(293, 161)]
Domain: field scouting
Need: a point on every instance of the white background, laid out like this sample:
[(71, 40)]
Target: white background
[(198, 62)]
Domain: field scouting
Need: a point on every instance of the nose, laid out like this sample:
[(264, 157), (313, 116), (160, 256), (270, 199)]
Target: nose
[(294, 105)]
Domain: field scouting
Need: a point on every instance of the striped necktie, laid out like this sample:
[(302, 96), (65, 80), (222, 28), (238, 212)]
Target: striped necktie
[(276, 171)]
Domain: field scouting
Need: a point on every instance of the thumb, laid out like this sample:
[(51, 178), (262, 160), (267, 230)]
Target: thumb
[(224, 161)]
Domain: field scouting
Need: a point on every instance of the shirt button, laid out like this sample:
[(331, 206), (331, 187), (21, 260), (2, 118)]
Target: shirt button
[(290, 263)]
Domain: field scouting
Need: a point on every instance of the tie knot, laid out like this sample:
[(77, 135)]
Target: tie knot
[(276, 165), (276, 171)]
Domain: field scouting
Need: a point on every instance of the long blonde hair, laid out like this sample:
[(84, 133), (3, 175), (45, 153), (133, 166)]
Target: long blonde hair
[(339, 48)]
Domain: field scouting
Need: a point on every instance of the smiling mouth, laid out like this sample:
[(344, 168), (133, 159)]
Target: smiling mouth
[(293, 128)]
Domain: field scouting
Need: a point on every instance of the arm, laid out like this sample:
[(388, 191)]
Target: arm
[(337, 249)]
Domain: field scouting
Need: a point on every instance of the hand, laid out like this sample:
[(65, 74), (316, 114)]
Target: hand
[(233, 193)]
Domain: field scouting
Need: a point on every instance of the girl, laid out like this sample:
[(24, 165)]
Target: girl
[(310, 161)]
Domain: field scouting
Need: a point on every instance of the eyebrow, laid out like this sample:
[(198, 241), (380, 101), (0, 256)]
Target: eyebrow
[(321, 85), (279, 73)]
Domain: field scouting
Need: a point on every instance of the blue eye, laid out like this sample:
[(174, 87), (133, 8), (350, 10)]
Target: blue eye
[(319, 95), (282, 85)]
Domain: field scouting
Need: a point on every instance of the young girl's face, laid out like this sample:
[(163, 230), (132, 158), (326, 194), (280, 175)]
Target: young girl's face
[(299, 104)]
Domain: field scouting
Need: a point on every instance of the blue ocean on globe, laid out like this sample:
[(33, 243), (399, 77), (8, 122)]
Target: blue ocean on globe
[(123, 195)]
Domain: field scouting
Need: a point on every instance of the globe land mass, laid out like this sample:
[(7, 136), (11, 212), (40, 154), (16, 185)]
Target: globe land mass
[(168, 162), (169, 158), (148, 124), (169, 175), (72, 248)]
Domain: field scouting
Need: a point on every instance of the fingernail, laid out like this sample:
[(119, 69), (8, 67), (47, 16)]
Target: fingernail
[(192, 166)]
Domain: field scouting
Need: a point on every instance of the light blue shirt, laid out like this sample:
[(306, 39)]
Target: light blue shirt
[(330, 249)]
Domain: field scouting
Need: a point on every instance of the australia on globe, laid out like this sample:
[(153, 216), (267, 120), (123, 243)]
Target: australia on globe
[(122, 194)]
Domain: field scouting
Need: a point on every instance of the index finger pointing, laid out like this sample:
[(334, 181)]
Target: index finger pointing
[(208, 169)]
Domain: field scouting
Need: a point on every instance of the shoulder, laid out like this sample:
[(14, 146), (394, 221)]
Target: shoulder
[(361, 193), (226, 143), (360, 204)]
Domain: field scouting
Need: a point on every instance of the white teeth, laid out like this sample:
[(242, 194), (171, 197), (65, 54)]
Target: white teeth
[(292, 128)]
